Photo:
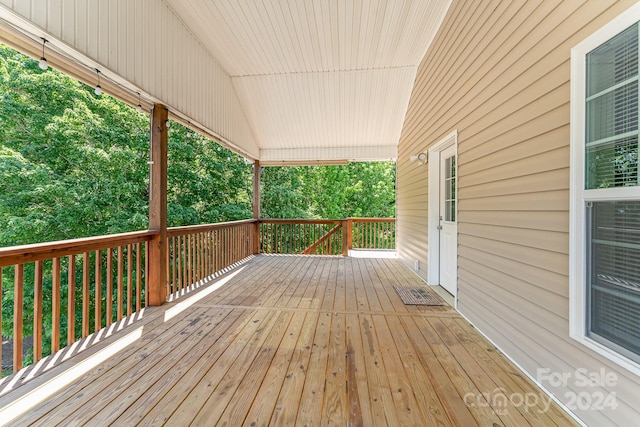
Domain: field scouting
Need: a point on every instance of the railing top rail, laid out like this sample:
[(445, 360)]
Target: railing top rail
[(40, 251), (299, 221), (372, 219), (188, 229)]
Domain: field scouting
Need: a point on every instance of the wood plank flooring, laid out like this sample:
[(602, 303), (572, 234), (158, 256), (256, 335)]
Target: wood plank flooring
[(287, 340)]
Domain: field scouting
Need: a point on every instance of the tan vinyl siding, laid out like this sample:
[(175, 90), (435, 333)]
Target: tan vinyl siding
[(498, 72)]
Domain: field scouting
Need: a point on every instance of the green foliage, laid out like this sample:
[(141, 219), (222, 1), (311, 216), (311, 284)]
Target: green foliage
[(333, 192), (73, 164)]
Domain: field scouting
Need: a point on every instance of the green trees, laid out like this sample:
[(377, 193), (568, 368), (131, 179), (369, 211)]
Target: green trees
[(73, 164), (352, 190)]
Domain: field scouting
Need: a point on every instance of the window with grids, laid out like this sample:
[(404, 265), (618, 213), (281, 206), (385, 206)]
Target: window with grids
[(611, 194)]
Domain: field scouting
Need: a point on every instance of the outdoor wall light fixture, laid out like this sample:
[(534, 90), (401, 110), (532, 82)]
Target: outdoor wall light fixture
[(43, 61), (98, 90), (421, 158)]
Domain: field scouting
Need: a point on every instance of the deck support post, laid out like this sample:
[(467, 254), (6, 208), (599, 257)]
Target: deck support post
[(346, 234), (158, 249), (256, 207)]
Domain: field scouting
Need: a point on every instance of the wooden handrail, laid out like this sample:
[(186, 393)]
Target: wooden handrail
[(190, 229), (13, 255), (299, 221), (372, 219)]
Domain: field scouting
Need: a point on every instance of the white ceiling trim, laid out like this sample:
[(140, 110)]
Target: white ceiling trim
[(318, 154)]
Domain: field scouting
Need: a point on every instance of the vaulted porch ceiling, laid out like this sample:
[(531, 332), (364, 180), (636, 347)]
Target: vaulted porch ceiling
[(275, 80), (318, 80)]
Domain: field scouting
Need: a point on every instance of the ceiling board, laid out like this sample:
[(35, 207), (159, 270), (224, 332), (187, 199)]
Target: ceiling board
[(318, 73)]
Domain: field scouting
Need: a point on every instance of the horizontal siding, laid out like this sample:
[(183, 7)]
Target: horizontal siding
[(144, 46), (498, 72)]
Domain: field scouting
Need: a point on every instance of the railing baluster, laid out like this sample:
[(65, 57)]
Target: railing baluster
[(98, 292), (212, 252), (129, 310), (37, 311), (55, 305), (18, 295), (85, 295), (120, 296), (1, 297), (169, 278), (188, 262), (146, 273), (196, 258), (71, 301), (109, 295), (180, 263), (138, 278), (172, 266), (203, 256)]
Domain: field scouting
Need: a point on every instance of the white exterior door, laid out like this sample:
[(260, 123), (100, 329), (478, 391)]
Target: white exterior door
[(447, 224)]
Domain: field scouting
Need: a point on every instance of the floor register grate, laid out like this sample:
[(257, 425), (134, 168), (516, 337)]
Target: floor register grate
[(417, 296)]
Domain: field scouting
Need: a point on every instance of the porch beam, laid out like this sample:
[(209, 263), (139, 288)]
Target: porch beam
[(157, 274)]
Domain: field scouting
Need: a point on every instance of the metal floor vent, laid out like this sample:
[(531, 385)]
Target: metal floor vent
[(417, 296)]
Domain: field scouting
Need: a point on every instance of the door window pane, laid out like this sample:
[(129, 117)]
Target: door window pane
[(450, 189)]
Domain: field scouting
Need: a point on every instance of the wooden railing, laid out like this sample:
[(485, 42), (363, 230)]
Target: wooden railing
[(196, 252), (301, 236), (372, 233), (77, 287), (326, 237)]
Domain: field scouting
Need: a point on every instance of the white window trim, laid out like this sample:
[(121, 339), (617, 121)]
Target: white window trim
[(578, 195)]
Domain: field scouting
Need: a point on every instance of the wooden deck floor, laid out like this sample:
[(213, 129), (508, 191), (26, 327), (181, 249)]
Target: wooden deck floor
[(289, 340)]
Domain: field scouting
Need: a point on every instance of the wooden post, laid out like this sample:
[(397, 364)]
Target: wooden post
[(345, 237), (157, 274), (256, 206)]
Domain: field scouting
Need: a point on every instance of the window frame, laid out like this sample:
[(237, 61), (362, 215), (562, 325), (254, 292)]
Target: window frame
[(578, 246)]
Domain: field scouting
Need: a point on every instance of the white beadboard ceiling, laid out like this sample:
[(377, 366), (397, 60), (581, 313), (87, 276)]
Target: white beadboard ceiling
[(318, 79)]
